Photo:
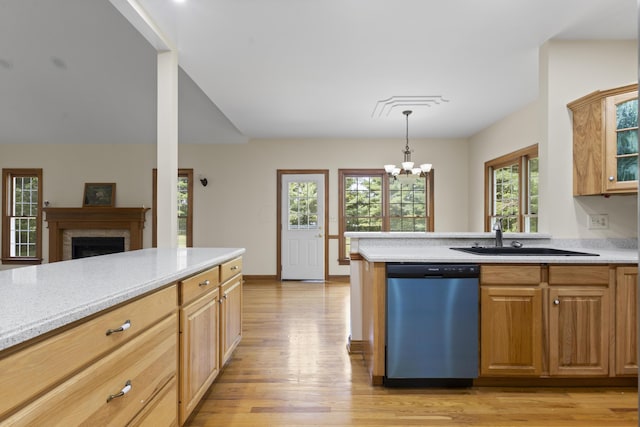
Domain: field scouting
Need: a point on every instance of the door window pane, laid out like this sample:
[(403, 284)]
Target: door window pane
[(303, 206)]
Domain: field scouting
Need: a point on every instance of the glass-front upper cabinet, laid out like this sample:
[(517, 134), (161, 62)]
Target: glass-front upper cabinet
[(605, 141), (622, 142)]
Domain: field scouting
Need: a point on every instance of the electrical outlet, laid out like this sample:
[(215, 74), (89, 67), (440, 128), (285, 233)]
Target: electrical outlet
[(597, 221)]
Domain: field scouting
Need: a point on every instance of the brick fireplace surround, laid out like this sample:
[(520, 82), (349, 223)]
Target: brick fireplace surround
[(91, 222)]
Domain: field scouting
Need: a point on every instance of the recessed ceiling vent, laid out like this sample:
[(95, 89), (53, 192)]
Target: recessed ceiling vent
[(387, 106)]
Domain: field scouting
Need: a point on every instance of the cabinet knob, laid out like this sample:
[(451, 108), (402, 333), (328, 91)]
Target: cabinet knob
[(611, 179), (556, 301)]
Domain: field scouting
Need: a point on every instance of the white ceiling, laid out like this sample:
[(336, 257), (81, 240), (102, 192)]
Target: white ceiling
[(77, 71)]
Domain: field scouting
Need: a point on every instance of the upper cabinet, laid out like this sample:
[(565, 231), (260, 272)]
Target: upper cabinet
[(605, 142)]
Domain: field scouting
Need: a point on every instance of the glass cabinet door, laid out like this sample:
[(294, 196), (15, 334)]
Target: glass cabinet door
[(622, 142)]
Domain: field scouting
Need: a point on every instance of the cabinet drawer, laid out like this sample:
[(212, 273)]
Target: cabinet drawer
[(34, 369), (579, 275), (148, 362), (162, 411), (510, 275), (230, 269), (198, 285)]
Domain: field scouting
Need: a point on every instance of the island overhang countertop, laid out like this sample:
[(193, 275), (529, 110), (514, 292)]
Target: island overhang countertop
[(38, 299)]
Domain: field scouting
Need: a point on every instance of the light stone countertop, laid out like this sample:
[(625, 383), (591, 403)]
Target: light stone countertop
[(435, 247), (38, 299), (445, 254)]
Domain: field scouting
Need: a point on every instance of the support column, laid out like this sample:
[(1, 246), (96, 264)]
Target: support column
[(167, 149)]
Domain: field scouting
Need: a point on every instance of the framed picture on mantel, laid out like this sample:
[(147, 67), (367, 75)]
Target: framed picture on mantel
[(100, 194)]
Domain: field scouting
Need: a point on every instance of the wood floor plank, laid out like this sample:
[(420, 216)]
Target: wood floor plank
[(292, 369)]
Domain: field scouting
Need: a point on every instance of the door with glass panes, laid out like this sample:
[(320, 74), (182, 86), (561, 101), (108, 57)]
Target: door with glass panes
[(302, 232)]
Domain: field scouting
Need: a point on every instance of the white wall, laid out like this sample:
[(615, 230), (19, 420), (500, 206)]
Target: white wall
[(240, 200), (568, 70), (238, 207), (518, 130)]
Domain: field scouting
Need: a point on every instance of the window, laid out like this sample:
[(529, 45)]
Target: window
[(303, 206), (369, 201), (511, 183), (21, 216), (185, 208)]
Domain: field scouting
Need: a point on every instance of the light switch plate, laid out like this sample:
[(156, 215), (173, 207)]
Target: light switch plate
[(597, 221)]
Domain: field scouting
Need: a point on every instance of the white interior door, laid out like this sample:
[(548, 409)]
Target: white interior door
[(303, 236)]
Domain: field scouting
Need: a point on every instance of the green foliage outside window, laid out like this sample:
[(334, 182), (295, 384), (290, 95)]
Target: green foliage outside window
[(303, 205), (183, 210), (24, 216), (407, 206)]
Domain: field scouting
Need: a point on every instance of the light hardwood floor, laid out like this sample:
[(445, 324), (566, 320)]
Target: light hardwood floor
[(292, 369)]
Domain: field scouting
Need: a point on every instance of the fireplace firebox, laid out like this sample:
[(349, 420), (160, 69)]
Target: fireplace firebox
[(83, 247)]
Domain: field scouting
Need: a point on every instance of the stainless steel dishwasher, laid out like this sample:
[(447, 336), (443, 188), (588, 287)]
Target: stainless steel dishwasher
[(432, 324)]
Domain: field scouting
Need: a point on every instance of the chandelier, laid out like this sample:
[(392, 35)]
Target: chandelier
[(408, 172)]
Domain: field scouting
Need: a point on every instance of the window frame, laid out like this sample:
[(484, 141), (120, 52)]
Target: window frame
[(7, 203), (343, 257), (183, 172), (520, 158)]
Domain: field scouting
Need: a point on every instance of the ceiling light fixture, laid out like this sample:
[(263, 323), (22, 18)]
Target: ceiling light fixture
[(407, 171)]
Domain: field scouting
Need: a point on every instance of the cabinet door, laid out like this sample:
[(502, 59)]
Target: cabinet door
[(621, 158), (626, 321), (231, 318), (579, 331), (199, 326), (511, 331)]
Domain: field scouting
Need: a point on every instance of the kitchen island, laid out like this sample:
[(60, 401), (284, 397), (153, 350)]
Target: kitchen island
[(546, 293), (97, 338)]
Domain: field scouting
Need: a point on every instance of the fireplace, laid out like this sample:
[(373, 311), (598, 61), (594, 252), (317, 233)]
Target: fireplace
[(68, 223), (83, 247)]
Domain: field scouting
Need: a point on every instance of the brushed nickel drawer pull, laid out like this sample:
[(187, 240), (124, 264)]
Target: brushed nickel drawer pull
[(126, 325), (235, 267), (126, 389), (205, 283)]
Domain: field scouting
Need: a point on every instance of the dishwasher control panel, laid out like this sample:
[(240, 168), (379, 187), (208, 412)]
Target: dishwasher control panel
[(416, 270)]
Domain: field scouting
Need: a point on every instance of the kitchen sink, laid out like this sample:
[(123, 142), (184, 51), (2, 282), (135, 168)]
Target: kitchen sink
[(492, 250)]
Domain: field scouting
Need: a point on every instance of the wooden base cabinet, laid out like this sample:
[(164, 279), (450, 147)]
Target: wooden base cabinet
[(116, 379), (199, 338), (511, 333), (511, 321), (579, 320), (210, 329), (562, 321), (626, 318)]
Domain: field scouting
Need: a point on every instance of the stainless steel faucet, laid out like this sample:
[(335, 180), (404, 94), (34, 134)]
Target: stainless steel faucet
[(497, 226)]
